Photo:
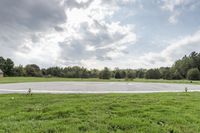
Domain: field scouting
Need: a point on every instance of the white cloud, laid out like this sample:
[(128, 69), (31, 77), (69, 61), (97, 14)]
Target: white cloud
[(172, 4), (84, 32), (173, 18), (176, 50), (176, 8)]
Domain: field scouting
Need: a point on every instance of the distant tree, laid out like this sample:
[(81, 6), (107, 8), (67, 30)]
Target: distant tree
[(195, 57), (153, 74), (84, 73), (19, 71), (9, 67), (123, 73), (2, 63), (181, 69), (67, 72), (105, 74), (55, 71), (140, 73), (187, 63), (94, 73), (183, 65), (33, 70), (165, 73), (117, 74), (193, 74), (44, 72), (130, 74), (177, 75), (76, 71)]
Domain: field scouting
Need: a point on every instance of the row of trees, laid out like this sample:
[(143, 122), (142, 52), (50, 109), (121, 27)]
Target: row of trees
[(186, 68)]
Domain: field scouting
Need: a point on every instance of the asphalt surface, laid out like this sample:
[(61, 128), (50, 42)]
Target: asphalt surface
[(94, 87)]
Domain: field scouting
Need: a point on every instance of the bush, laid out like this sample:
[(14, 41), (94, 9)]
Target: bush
[(193, 74)]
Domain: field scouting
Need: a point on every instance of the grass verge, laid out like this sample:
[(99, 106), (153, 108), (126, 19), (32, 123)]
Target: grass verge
[(41, 79), (103, 113)]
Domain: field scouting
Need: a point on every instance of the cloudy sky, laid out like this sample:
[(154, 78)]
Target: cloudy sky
[(98, 33)]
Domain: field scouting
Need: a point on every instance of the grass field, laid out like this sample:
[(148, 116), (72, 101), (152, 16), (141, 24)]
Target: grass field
[(103, 113), (40, 79)]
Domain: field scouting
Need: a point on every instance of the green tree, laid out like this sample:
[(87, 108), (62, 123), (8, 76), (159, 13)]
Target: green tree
[(105, 74), (55, 71), (177, 75), (183, 65), (44, 72), (153, 74), (193, 74), (94, 73), (8, 67), (19, 71), (195, 57), (84, 73), (140, 73), (117, 74), (123, 74), (2, 63), (165, 73), (131, 74), (33, 70)]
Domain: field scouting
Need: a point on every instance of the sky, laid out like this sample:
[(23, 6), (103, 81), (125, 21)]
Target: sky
[(98, 33)]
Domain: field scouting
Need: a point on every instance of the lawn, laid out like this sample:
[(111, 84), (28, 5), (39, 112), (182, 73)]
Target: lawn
[(102, 113), (41, 79)]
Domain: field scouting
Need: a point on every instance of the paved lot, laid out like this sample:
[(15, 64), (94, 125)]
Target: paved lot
[(95, 87)]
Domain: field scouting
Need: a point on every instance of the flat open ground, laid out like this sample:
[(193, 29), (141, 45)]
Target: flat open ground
[(102, 113), (95, 87)]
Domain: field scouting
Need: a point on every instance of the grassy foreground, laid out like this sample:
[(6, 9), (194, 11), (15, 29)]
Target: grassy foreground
[(41, 79), (103, 113)]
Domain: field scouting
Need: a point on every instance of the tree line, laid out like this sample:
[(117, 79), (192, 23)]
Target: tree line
[(187, 67)]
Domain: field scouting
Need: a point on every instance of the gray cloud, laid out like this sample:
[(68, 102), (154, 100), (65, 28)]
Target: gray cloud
[(58, 29), (74, 4), (22, 18), (34, 15), (76, 49), (31, 29)]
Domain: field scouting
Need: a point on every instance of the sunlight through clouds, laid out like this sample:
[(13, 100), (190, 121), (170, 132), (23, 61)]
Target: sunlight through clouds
[(98, 33)]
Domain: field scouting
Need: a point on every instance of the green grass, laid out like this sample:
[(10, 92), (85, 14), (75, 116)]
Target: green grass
[(53, 79), (41, 79), (102, 113)]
